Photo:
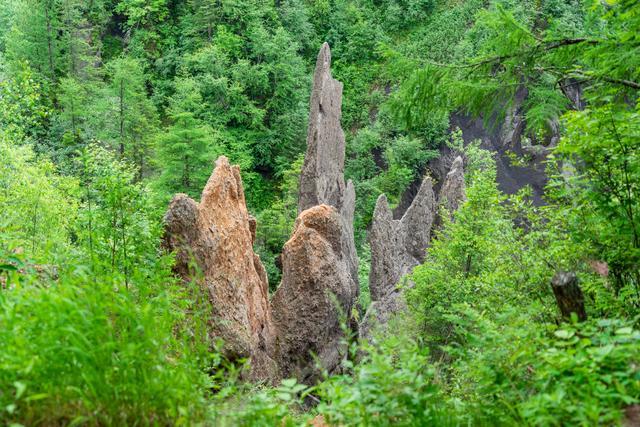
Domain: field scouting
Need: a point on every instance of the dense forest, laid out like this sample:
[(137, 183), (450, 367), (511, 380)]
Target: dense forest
[(523, 307)]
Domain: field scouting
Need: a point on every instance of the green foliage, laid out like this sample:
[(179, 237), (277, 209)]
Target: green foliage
[(103, 335), (54, 36), (472, 261), (83, 351), (127, 116), (275, 223), (186, 153), (383, 160), (393, 384), (252, 82), (600, 195), (147, 18), (469, 257), (22, 109), (514, 50), (37, 207), (400, 14), (107, 108), (509, 371), (262, 406), (482, 301), (117, 226)]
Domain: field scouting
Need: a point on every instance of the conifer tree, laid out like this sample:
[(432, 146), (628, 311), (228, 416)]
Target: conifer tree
[(124, 115), (185, 155)]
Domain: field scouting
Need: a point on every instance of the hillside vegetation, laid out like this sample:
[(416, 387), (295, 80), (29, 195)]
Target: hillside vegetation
[(110, 107)]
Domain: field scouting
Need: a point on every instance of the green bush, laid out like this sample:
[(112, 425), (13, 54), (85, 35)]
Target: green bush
[(37, 206), (393, 384), (509, 370), (246, 405)]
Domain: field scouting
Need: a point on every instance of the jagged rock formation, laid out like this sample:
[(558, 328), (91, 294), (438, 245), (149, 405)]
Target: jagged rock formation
[(315, 291), (319, 282), (397, 246), (320, 264), (218, 235), (301, 328), (322, 177), (452, 193)]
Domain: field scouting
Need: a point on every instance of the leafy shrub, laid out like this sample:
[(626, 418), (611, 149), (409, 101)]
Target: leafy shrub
[(510, 370), (37, 206), (393, 384), (471, 261), (117, 228), (246, 406)]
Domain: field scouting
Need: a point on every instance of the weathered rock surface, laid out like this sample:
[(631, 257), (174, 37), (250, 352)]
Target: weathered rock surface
[(315, 291), (397, 246), (218, 234), (322, 178), (452, 193), (319, 262), (503, 140)]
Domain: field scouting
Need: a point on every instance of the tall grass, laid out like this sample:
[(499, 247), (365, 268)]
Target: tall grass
[(81, 350)]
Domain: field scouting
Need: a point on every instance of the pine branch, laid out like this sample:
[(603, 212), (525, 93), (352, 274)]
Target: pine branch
[(501, 58), (623, 82)]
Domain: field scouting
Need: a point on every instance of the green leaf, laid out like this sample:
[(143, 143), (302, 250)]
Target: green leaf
[(289, 382), (37, 396), (562, 334), (20, 388), (284, 396)]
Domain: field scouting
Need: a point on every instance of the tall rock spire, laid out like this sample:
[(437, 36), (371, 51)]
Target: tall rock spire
[(322, 178), (217, 235), (320, 264)]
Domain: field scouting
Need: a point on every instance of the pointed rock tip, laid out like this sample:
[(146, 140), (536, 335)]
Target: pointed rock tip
[(382, 207), (222, 161), (324, 56), (457, 164)]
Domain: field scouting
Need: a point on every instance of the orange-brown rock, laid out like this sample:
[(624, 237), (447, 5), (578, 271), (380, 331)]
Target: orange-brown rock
[(315, 291), (216, 237)]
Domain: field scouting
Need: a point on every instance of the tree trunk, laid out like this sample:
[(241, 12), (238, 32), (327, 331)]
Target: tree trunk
[(49, 41), (121, 118), (568, 295)]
